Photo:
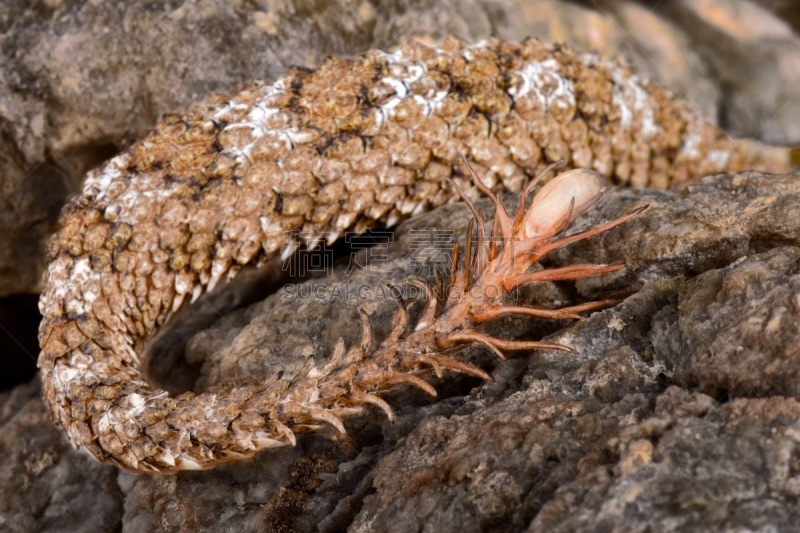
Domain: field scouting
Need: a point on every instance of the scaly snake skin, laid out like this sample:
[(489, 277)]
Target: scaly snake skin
[(355, 142)]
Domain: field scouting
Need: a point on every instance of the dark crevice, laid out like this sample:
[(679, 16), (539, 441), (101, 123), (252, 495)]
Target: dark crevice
[(19, 345)]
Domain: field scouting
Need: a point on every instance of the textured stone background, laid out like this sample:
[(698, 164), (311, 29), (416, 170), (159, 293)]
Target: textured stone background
[(680, 411)]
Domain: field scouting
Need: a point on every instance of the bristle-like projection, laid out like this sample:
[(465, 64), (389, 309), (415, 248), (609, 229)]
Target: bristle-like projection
[(430, 307), (570, 312), (475, 294)]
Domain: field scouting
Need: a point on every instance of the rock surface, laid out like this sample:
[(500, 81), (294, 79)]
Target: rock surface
[(784, 9), (680, 410), (45, 484), (746, 48)]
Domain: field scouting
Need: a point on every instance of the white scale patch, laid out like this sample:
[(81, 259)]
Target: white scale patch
[(690, 145), (79, 289), (257, 121), (98, 182), (718, 158), (630, 97), (537, 77)]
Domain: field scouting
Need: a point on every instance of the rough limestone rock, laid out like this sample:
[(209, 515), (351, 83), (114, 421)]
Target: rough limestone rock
[(784, 9), (45, 484), (678, 411), (746, 48)]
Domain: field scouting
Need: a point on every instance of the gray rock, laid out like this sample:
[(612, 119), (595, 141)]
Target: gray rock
[(740, 325), (746, 49), (45, 484), (511, 454), (692, 465), (676, 412), (785, 9)]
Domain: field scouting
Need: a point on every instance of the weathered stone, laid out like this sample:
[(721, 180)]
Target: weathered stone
[(785, 9), (509, 450), (622, 434), (741, 324), (45, 484), (677, 413), (746, 48), (693, 464)]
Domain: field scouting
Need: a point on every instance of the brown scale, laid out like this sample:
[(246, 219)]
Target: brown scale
[(187, 208)]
